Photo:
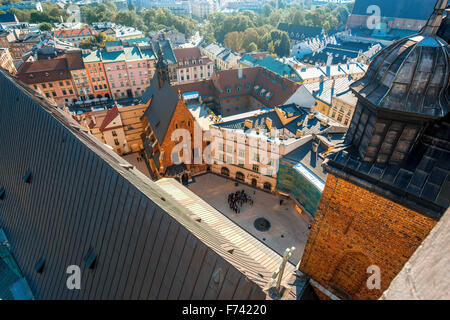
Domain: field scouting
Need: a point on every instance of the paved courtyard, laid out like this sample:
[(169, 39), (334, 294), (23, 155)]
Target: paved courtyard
[(140, 165), (288, 227)]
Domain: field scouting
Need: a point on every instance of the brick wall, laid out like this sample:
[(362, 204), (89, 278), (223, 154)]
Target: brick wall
[(355, 228)]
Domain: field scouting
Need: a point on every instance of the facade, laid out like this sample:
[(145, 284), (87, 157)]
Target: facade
[(119, 127), (343, 107), (166, 112), (249, 149), (97, 76), (191, 65), (222, 57), (52, 78), (202, 8), (124, 68), (6, 61), (169, 34), (22, 43), (387, 187), (334, 98)]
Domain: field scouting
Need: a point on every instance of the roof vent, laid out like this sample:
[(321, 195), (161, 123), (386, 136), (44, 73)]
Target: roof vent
[(90, 258), (27, 177), (39, 267)]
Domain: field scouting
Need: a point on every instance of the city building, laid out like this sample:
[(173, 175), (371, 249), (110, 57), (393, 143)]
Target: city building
[(223, 58), (132, 238), (335, 71), (191, 65), (74, 36), (6, 61), (178, 7), (120, 127), (387, 184), (202, 8), (278, 66), (398, 19), (97, 76), (22, 42), (166, 112), (236, 91), (248, 147), (334, 98), (50, 77), (175, 37)]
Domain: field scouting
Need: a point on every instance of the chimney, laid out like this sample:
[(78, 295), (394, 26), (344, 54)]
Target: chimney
[(314, 147), (299, 133), (269, 123), (248, 123)]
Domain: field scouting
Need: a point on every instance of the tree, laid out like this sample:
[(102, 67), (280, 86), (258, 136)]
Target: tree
[(282, 47), (45, 26), (233, 40), (252, 47)]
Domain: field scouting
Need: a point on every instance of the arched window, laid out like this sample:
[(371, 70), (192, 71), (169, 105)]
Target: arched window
[(225, 171), (267, 186), (240, 176)]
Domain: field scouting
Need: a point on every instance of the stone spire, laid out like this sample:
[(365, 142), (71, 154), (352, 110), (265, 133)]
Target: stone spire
[(161, 69)]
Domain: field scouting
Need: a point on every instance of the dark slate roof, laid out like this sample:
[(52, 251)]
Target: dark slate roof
[(308, 158), (85, 198), (225, 84), (259, 121), (422, 181), (406, 9), (159, 112)]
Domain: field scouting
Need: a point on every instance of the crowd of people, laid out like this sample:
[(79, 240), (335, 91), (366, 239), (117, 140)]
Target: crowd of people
[(237, 199)]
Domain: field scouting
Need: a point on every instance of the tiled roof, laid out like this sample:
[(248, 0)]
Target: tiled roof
[(44, 71), (111, 114), (278, 67), (297, 120), (264, 85), (159, 112), (72, 33), (327, 89), (299, 32)]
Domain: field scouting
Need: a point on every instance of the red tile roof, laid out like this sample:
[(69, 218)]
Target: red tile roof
[(221, 81), (190, 54), (111, 114), (44, 71)]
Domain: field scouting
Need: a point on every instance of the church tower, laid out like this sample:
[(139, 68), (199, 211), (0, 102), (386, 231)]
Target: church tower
[(162, 70), (388, 184)]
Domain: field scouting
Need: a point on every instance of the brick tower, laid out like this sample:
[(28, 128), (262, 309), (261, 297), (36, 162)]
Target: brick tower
[(388, 183)]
